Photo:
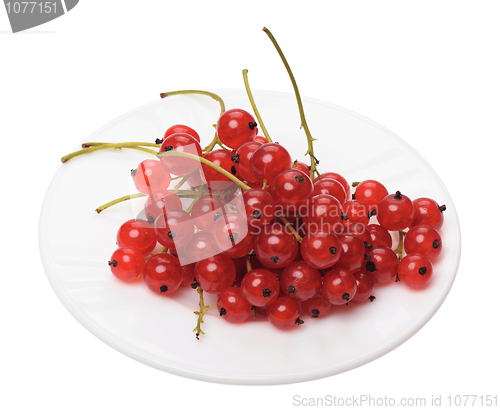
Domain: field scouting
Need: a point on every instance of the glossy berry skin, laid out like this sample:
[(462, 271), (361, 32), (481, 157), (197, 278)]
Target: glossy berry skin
[(361, 232), (424, 240), (163, 273), (426, 211), (364, 286), (127, 263), (174, 228), (242, 160), (395, 212), (330, 187), (180, 128), (379, 236), (159, 202), (216, 273), (415, 271), (260, 287), (232, 305), (353, 252), (213, 178), (230, 235), (138, 234), (292, 189), (355, 212), (301, 166), (337, 177), (269, 160), (260, 207), (200, 247), (261, 139), (316, 307), (187, 275), (205, 211), (180, 142), (235, 127), (339, 286), (321, 250), (283, 313), (299, 281), (324, 214), (370, 192), (382, 265), (275, 246), (150, 176)]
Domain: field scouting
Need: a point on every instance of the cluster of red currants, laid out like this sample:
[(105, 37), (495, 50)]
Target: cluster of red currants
[(266, 234)]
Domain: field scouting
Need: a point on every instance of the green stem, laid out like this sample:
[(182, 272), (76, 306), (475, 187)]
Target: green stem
[(310, 139), (242, 185), (399, 249), (144, 144), (200, 313), (215, 140), (133, 145), (289, 226), (214, 96), (117, 201), (254, 106)]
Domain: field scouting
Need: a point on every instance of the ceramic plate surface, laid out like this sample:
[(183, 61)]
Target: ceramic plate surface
[(76, 243)]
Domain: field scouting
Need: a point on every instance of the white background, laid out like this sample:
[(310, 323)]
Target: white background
[(427, 70)]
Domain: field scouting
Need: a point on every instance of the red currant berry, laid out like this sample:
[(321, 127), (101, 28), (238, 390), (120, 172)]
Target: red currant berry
[(415, 271), (150, 176), (231, 232), (235, 127), (137, 233), (364, 287), (355, 212), (427, 212), (284, 313), (260, 207), (395, 212), (382, 264), (370, 192), (261, 139), (353, 252), (187, 275), (233, 306), (424, 240), (301, 166), (174, 228), (321, 250), (242, 159), (324, 214), (181, 143), (212, 177), (330, 187), (275, 246), (180, 128), (260, 287), (215, 274), (163, 273), (379, 236), (361, 232), (339, 286), (300, 281), (317, 306), (127, 263), (159, 202), (269, 160), (336, 177), (291, 190), (205, 211), (200, 247)]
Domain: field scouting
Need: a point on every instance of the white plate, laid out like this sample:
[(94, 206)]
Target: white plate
[(76, 243)]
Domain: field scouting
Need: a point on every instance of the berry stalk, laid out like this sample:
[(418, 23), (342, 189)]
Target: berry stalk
[(134, 145), (254, 106), (200, 313), (310, 139)]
